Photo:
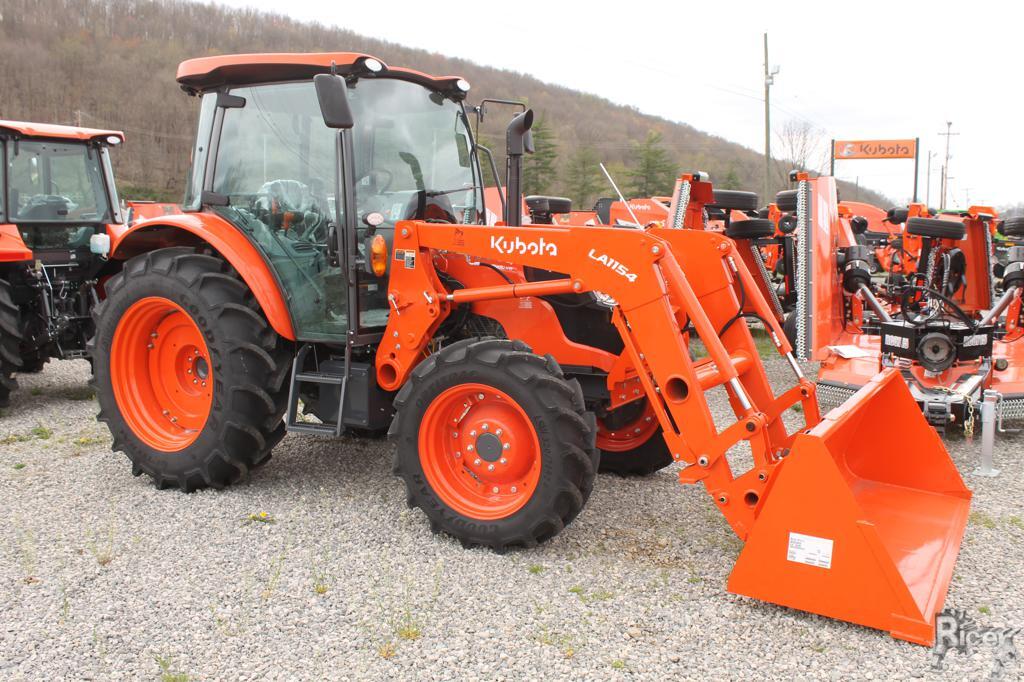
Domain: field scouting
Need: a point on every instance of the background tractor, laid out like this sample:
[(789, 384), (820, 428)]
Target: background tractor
[(333, 270), (58, 213)]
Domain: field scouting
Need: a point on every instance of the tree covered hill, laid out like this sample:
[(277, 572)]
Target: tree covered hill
[(111, 63)]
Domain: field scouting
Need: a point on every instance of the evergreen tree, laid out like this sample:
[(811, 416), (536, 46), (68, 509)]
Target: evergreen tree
[(654, 172), (583, 177), (539, 171), (731, 180)]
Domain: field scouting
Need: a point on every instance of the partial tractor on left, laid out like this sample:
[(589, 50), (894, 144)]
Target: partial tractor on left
[(59, 212)]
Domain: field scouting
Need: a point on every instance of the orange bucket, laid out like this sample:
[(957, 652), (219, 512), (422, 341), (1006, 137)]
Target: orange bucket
[(864, 518)]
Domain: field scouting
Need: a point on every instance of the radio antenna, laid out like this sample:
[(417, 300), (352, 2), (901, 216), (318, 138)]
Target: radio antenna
[(621, 198)]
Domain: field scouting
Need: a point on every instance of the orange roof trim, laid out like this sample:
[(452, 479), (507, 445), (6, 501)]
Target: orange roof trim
[(26, 129), (206, 73)]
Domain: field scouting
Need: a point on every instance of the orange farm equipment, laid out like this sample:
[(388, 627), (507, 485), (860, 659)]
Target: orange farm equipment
[(949, 327), (58, 214), (333, 270)]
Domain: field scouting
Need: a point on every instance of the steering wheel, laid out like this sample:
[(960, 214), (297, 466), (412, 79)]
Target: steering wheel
[(372, 175)]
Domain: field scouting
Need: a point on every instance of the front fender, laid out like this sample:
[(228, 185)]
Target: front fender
[(12, 248), (193, 229)]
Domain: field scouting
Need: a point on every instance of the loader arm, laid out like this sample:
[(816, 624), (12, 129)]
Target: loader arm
[(665, 282)]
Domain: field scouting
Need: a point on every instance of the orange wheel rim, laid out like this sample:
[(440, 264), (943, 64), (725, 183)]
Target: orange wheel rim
[(479, 452), (161, 374), (629, 435)]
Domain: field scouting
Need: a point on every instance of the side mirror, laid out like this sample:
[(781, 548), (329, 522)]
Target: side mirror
[(332, 93)]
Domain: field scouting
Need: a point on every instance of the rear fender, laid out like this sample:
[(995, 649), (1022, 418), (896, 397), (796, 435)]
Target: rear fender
[(196, 229)]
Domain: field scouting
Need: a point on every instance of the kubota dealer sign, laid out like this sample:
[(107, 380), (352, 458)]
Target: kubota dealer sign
[(874, 149)]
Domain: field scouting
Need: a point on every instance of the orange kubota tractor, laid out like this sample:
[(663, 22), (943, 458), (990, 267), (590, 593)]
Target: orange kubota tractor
[(334, 253), (58, 213), (949, 327)]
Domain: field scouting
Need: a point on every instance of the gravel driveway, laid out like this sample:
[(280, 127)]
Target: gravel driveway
[(315, 569)]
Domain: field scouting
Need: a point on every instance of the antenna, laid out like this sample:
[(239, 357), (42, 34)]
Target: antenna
[(621, 198)]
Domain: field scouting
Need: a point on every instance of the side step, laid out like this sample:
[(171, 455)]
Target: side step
[(292, 422)]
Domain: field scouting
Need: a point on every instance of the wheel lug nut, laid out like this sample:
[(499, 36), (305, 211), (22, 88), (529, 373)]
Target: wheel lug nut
[(513, 489), (506, 446), (195, 381), (149, 346), (174, 420), (204, 384), (485, 427), (490, 467), (495, 489), (455, 434), (470, 447), (458, 454), (166, 412), (152, 335), (476, 462), (503, 460), (188, 371), (497, 432), (473, 432), (480, 396), (637, 430), (648, 420)]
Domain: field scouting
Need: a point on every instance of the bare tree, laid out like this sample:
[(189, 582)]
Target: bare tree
[(802, 146)]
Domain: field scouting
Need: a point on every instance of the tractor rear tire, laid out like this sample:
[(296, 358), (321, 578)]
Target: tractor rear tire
[(631, 443), (190, 376), (10, 342), (33, 361), (494, 444)]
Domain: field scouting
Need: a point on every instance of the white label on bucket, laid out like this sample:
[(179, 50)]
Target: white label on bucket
[(807, 549)]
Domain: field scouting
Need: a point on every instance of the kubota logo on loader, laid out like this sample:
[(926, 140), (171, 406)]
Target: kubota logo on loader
[(615, 266), (533, 247)]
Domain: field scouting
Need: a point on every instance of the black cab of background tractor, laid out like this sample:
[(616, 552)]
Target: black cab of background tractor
[(58, 209)]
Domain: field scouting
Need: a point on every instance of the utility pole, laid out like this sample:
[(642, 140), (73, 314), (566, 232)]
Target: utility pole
[(928, 188), (945, 167), (769, 80)]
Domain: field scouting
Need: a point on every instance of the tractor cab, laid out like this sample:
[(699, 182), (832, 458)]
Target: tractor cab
[(58, 213), (58, 187), (313, 199)]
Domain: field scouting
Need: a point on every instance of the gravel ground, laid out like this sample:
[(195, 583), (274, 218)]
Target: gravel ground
[(104, 577)]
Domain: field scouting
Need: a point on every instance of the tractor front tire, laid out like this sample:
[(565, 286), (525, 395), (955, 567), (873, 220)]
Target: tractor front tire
[(10, 343), (190, 376), (494, 444)]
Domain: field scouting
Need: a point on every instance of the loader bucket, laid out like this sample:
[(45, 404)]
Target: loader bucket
[(862, 520)]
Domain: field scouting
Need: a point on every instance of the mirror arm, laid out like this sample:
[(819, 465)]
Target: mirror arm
[(497, 178)]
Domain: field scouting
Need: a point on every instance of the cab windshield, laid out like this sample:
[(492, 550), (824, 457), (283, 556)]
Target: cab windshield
[(55, 182), (411, 150)]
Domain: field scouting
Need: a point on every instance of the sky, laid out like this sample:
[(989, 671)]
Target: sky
[(851, 70)]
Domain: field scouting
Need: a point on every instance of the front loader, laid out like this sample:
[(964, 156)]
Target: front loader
[(333, 270)]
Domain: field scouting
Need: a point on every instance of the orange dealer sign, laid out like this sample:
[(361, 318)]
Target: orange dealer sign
[(874, 149)]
